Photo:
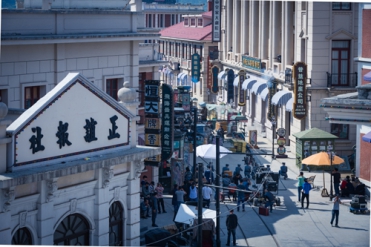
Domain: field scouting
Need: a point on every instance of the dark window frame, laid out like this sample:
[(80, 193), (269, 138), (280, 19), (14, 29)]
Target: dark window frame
[(116, 220), (186, 21), (199, 22), (342, 6), (64, 228), (34, 96), (339, 59), (22, 236), (193, 22), (338, 130), (112, 91)]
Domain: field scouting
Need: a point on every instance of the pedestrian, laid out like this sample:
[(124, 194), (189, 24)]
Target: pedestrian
[(209, 175), (144, 209), (151, 187), (336, 180), (193, 193), (160, 198), (335, 210), (173, 199), (225, 168), (180, 196), (240, 197), (145, 191), (206, 194), (300, 184), (154, 207), (144, 181), (238, 170), (246, 183), (305, 193), (231, 223), (247, 171), (187, 175), (237, 179), (269, 199), (283, 170)]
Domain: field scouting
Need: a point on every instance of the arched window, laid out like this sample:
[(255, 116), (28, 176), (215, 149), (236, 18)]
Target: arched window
[(22, 237), (73, 230), (115, 225)]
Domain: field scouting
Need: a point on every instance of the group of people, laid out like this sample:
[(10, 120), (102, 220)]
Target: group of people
[(153, 200)]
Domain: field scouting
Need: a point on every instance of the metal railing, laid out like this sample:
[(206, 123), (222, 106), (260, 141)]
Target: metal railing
[(342, 80)]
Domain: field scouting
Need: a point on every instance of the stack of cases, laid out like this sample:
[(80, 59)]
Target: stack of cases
[(358, 202)]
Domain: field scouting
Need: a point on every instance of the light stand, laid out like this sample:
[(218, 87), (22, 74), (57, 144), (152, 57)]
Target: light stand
[(331, 156), (273, 121)]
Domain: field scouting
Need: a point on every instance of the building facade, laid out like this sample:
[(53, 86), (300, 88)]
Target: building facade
[(355, 108), (263, 40), (97, 185)]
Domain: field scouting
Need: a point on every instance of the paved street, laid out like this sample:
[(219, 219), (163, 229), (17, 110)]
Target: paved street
[(287, 225)]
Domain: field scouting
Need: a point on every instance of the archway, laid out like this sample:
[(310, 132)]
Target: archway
[(73, 230)]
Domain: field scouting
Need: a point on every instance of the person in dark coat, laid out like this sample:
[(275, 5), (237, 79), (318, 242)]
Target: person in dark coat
[(336, 180), (154, 206), (231, 223)]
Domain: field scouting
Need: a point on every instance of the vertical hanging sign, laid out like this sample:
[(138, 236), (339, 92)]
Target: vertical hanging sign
[(196, 68), (216, 25), (300, 76), (167, 129), (271, 108), (241, 92), (215, 85), (209, 74), (152, 115)]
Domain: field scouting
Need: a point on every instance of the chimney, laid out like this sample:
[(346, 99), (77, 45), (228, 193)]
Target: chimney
[(210, 5)]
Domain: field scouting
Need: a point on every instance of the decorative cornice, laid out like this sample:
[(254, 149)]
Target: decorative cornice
[(9, 196), (107, 176), (341, 31)]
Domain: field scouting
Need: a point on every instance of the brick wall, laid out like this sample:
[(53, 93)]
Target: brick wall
[(366, 33), (365, 160)]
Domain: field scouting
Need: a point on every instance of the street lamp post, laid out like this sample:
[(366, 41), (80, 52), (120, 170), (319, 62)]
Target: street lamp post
[(331, 156), (273, 121)]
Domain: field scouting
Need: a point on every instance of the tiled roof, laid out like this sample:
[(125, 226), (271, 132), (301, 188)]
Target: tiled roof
[(179, 31)]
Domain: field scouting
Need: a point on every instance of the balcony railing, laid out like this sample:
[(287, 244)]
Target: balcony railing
[(342, 80)]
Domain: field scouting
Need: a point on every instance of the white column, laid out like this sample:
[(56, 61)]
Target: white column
[(245, 27), (236, 26), (276, 30), (254, 37), (229, 29), (283, 36), (156, 20), (264, 30), (289, 44)]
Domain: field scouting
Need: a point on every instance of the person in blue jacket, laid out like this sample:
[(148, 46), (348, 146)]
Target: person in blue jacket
[(305, 193)]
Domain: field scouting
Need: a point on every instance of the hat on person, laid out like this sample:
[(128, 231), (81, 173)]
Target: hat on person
[(239, 164), (227, 165)]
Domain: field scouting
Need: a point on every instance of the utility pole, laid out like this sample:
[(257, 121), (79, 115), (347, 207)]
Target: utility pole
[(194, 141), (199, 206), (217, 197)]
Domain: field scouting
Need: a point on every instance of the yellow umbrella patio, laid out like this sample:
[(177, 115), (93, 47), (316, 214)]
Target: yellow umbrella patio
[(323, 159)]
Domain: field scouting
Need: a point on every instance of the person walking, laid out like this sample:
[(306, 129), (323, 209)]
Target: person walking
[(173, 199), (144, 209), (300, 184), (225, 168), (231, 223), (206, 194), (336, 174), (160, 198), (154, 208), (238, 170), (247, 171), (193, 193), (187, 175), (335, 210), (305, 193), (241, 197), (180, 197), (283, 170)]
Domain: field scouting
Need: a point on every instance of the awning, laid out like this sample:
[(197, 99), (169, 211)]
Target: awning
[(180, 75), (221, 75), (281, 97), (367, 77), (259, 86), (235, 81), (169, 71), (289, 104), (184, 76), (248, 83), (264, 94), (367, 137)]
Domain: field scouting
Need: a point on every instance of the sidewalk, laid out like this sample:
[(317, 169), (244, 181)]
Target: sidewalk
[(288, 224)]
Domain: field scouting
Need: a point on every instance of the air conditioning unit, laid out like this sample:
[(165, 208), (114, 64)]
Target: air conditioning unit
[(277, 68)]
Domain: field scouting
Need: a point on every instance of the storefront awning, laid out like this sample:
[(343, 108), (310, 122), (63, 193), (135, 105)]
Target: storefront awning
[(221, 75), (264, 94), (249, 82), (235, 81), (289, 104), (281, 97), (367, 137), (367, 77), (259, 86), (184, 76), (180, 75)]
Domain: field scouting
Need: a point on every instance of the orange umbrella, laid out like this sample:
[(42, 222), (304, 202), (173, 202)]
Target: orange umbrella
[(322, 159)]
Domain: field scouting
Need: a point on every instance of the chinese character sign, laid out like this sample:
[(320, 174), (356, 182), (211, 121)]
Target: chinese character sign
[(300, 76), (216, 17), (251, 63), (241, 92), (167, 130), (196, 68)]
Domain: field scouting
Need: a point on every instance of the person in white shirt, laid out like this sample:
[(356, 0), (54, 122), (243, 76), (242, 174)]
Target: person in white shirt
[(206, 194)]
